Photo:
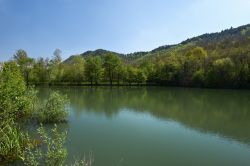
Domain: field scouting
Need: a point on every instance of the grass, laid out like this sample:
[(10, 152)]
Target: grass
[(12, 141)]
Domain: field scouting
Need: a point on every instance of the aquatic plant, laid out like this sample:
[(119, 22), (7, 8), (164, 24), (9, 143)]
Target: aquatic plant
[(54, 109), (51, 152), (12, 141)]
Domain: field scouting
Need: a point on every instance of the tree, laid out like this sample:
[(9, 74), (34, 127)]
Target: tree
[(195, 61), (169, 71), (55, 68), (148, 68), (39, 72), (24, 62), (132, 73), (241, 60), (14, 102), (140, 76), (57, 56), (222, 73), (93, 69), (74, 72), (122, 73), (111, 65)]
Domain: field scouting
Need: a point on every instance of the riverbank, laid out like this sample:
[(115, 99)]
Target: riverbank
[(107, 84)]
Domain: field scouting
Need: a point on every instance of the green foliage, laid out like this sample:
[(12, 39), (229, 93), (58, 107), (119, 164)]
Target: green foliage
[(93, 69), (222, 69), (245, 31), (148, 68), (132, 73), (14, 101), (194, 62), (111, 66), (51, 153), (54, 109), (24, 62), (140, 76), (12, 141), (198, 78), (20, 102), (32, 100), (168, 71), (55, 67), (40, 72), (74, 72), (122, 73)]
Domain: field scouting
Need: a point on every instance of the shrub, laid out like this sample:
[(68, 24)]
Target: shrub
[(54, 109), (51, 153), (12, 90)]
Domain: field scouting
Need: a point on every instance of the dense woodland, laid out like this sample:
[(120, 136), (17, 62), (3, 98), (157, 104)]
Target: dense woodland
[(210, 60)]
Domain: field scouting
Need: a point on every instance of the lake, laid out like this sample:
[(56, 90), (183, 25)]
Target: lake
[(158, 126)]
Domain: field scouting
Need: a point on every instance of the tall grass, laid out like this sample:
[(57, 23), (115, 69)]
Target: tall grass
[(12, 141)]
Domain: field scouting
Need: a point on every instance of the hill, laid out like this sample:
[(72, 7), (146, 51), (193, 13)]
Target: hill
[(219, 59), (226, 39)]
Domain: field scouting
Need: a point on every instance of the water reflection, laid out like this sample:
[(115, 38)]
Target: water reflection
[(222, 112)]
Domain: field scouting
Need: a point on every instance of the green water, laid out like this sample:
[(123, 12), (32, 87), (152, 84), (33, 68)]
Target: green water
[(157, 126)]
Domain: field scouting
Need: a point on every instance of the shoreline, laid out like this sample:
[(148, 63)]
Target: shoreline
[(134, 85)]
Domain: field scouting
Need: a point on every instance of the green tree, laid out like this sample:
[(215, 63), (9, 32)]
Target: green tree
[(24, 62), (93, 69), (74, 72), (39, 71), (222, 73), (169, 72), (122, 73), (13, 99), (241, 60), (132, 74), (111, 65), (195, 61), (140, 76), (57, 56), (55, 67), (148, 68)]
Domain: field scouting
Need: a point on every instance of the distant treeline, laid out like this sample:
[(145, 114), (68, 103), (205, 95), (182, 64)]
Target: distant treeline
[(217, 60), (195, 68)]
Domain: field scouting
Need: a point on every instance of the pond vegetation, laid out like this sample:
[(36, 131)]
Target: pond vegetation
[(19, 105)]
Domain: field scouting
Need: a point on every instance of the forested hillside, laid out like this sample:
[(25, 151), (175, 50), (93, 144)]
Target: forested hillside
[(211, 60)]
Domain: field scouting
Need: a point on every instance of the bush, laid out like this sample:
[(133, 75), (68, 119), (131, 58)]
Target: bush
[(54, 109), (12, 92), (51, 153)]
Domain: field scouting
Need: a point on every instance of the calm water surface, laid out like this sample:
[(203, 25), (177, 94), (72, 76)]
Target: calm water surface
[(157, 126)]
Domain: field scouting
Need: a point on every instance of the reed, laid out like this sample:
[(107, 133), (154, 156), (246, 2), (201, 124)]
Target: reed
[(12, 141)]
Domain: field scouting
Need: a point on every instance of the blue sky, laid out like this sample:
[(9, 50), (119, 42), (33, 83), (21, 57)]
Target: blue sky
[(75, 26)]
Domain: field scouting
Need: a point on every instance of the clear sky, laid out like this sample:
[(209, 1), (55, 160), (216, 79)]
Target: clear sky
[(75, 26)]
